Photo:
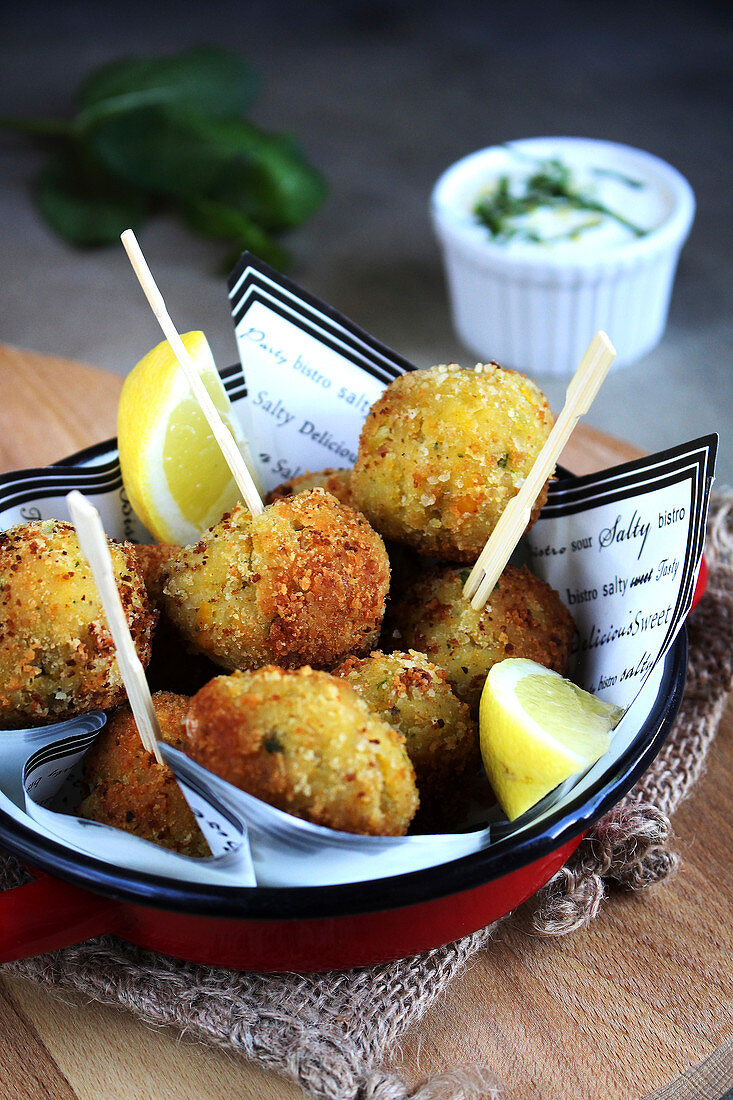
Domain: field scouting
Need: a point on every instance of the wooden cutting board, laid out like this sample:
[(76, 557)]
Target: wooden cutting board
[(615, 1011)]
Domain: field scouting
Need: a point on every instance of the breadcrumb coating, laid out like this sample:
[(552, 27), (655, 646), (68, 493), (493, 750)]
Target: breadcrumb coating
[(337, 482), (303, 583), (412, 694), (130, 790), (57, 657), (175, 666), (150, 558), (443, 451), (305, 742), (524, 617)]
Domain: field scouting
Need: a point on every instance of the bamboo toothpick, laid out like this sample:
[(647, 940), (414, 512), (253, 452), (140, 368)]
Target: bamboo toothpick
[(513, 521), (222, 435), (94, 546)]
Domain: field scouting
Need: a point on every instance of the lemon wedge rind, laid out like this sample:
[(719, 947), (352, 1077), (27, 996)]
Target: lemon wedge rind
[(538, 729), (174, 473)]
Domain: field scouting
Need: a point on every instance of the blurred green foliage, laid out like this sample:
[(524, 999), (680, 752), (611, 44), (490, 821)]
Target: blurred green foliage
[(169, 134)]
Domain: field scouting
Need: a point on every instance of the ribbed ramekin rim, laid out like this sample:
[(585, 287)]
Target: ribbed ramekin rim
[(669, 236)]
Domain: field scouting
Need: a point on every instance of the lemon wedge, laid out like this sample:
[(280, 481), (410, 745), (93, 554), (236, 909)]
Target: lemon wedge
[(174, 474), (536, 730)]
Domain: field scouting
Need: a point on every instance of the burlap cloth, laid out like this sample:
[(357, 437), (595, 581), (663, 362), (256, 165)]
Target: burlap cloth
[(332, 1032)]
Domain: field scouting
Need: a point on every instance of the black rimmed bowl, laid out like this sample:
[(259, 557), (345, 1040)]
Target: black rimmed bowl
[(75, 896)]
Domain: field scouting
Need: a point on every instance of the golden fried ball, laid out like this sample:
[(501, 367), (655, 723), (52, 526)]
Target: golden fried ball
[(174, 664), (151, 559), (305, 582), (306, 743), (130, 790), (403, 562), (57, 657), (442, 453), (413, 695), (335, 482), (524, 617)]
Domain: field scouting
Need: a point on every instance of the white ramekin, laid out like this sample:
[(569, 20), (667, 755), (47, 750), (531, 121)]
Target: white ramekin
[(538, 313)]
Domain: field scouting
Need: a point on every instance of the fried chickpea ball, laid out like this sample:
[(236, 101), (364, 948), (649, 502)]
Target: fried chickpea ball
[(306, 743), (303, 583), (174, 665), (150, 558), (442, 453), (57, 657), (130, 790), (410, 693), (404, 563), (335, 482), (524, 617)]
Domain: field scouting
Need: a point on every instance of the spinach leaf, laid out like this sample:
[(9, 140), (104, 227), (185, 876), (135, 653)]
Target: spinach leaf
[(215, 219), (268, 176), (163, 150), (84, 204), (180, 152), (216, 82), (168, 134)]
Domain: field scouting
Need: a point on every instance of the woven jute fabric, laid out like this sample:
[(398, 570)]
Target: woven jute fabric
[(333, 1033)]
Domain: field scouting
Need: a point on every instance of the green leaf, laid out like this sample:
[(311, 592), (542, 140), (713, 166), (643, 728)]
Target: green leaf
[(180, 152), (213, 219), (168, 134), (269, 177), (214, 81), (85, 205), (166, 151)]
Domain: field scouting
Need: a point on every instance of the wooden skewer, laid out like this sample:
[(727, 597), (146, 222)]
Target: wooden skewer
[(222, 435), (513, 521), (94, 546)]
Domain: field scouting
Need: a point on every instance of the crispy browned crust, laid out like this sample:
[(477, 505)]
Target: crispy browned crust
[(304, 742), (443, 451), (524, 617), (409, 692), (150, 558), (57, 657), (174, 664), (130, 790), (337, 482), (303, 583)]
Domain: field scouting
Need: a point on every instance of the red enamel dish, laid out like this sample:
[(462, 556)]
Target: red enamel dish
[(75, 897)]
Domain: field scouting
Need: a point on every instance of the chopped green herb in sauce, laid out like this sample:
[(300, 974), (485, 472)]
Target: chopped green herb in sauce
[(551, 185), (612, 174), (273, 743)]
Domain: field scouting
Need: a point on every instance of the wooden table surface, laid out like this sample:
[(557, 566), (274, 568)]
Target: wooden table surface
[(616, 1011)]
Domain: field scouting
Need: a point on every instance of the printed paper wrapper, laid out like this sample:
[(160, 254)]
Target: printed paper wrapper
[(622, 548)]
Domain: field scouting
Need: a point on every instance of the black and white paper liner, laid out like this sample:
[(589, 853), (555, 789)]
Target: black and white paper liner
[(254, 843), (311, 374), (251, 842), (40, 493), (288, 851), (41, 787), (623, 549)]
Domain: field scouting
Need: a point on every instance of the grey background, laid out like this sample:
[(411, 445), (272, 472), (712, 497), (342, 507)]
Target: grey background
[(383, 97)]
